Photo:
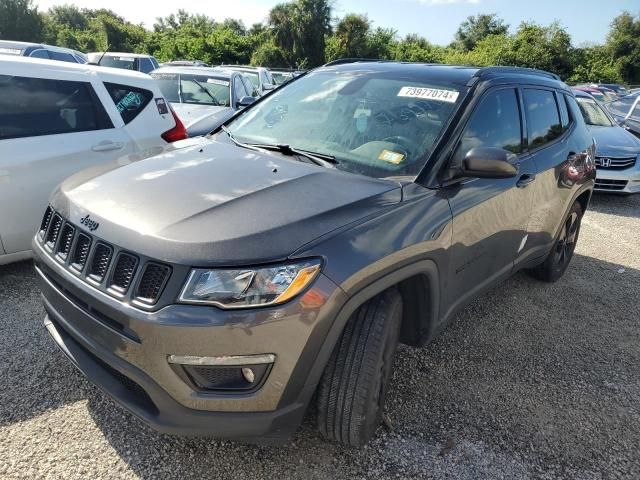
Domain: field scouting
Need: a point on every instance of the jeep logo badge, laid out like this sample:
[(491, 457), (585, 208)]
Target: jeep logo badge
[(90, 224)]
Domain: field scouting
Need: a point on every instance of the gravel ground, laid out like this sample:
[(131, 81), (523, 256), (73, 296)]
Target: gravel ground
[(530, 381)]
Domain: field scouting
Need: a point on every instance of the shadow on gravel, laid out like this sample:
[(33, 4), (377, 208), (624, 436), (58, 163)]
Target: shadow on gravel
[(36, 377), (627, 206), (531, 379)]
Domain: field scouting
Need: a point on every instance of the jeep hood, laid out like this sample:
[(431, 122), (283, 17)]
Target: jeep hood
[(218, 204)]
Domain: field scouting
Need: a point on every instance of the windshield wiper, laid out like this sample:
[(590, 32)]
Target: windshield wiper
[(236, 141), (215, 100), (321, 159)]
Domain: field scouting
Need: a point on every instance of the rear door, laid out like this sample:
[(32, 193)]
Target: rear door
[(490, 216), (145, 114), (550, 144), (49, 130)]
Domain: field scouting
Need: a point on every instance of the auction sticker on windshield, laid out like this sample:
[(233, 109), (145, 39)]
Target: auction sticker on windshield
[(437, 94)]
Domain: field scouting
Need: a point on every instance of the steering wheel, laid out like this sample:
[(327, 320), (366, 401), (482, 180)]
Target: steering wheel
[(409, 145)]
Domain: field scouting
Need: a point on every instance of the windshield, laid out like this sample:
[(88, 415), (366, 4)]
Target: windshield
[(128, 63), (379, 124), (622, 106), (194, 89), (593, 113)]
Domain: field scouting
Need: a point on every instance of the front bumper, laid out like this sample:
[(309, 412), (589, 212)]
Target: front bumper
[(625, 181), (128, 358)]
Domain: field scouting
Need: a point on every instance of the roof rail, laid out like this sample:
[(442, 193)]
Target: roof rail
[(529, 71), (341, 61)]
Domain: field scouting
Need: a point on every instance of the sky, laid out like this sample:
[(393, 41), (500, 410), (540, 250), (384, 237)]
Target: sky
[(586, 20)]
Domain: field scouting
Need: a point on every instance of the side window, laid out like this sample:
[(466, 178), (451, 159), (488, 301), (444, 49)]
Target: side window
[(145, 65), (129, 101), (41, 53), (564, 114), (239, 89), (543, 120), (494, 123), (31, 107), (154, 62), (248, 86), (61, 56)]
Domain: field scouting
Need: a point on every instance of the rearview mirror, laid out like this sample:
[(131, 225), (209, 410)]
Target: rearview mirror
[(246, 101), (488, 162)]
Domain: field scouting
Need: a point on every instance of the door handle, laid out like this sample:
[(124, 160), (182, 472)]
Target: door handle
[(525, 180), (107, 146)]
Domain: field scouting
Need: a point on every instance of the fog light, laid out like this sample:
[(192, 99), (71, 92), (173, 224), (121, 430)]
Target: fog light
[(248, 374)]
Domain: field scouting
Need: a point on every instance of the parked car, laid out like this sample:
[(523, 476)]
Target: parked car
[(618, 151), (185, 63), (626, 112), (126, 61), (283, 258), (260, 78), (618, 89), (280, 77), (595, 93), (40, 50), (57, 119), (204, 98)]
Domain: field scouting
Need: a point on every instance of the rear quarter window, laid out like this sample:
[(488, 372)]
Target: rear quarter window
[(129, 101)]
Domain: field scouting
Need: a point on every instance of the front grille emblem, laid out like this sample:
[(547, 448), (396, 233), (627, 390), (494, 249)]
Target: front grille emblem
[(605, 162), (92, 225)]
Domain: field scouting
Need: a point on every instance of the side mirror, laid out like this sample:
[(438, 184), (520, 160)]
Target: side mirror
[(245, 101), (268, 86), (488, 162)]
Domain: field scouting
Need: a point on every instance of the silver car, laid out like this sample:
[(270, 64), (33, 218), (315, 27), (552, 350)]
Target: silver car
[(260, 78), (203, 97)]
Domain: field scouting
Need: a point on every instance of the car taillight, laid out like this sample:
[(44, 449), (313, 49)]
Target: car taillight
[(176, 133)]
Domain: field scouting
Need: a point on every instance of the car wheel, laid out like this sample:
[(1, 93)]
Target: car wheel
[(560, 256), (353, 387)]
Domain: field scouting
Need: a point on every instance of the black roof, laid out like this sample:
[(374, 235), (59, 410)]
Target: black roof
[(458, 74)]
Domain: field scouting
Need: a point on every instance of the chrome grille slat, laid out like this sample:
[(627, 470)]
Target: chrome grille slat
[(53, 231), (610, 184), (123, 272), (615, 163), (81, 252), (152, 283), (100, 262), (46, 219), (105, 266), (66, 240)]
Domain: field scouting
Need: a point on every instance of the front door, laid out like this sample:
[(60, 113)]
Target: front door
[(49, 130), (490, 216)]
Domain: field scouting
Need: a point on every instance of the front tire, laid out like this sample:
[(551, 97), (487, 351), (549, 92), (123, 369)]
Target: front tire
[(561, 254), (353, 387)]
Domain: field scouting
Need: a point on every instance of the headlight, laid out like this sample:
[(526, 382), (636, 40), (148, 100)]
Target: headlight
[(249, 287)]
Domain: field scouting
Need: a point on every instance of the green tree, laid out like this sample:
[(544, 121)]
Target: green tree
[(299, 29), (623, 43), (477, 27), (350, 38), (414, 48), (20, 20)]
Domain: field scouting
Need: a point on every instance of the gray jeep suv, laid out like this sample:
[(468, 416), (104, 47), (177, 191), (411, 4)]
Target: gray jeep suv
[(219, 288)]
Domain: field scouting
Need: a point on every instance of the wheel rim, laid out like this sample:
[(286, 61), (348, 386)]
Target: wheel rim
[(567, 240)]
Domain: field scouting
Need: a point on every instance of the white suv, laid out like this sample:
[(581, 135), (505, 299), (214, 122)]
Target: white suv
[(57, 119)]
